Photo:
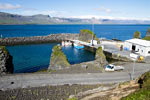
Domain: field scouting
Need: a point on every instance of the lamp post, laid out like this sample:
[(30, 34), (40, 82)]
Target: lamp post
[(93, 19), (133, 68)]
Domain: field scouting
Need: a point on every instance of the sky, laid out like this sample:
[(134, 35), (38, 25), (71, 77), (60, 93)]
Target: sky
[(112, 9)]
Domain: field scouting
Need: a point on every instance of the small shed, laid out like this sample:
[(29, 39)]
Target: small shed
[(139, 46), (94, 42)]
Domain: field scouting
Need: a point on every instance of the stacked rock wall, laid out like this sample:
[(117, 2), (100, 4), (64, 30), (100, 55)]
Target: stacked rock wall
[(6, 65), (37, 39)]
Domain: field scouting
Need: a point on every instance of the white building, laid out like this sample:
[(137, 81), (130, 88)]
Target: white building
[(139, 46), (94, 42)]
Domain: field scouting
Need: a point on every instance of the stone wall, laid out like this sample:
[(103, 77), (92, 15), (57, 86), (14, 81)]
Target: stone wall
[(6, 65), (38, 39), (116, 57)]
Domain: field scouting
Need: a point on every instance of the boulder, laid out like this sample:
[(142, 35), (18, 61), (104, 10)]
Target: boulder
[(58, 59), (87, 35), (6, 65), (100, 57)]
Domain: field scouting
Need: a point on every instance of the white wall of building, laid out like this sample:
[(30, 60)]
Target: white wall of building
[(148, 51), (142, 50), (128, 46), (94, 42)]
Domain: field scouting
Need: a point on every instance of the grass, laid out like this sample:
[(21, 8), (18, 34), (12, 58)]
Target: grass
[(58, 58), (146, 38), (86, 31), (100, 56), (142, 93), (88, 34), (4, 49), (57, 51), (72, 98)]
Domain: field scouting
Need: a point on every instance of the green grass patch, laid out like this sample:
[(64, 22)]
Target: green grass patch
[(72, 98), (142, 94), (58, 58), (146, 38), (3, 48), (87, 35), (86, 31), (57, 53)]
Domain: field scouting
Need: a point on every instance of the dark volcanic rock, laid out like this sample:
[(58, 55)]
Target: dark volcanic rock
[(100, 57), (58, 59), (6, 65), (86, 35)]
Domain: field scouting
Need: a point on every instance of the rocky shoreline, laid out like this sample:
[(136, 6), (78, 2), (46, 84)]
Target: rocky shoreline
[(6, 65), (37, 39)]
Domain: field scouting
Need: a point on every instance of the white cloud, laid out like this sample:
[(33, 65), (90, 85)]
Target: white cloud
[(109, 17), (103, 9), (92, 16), (7, 6)]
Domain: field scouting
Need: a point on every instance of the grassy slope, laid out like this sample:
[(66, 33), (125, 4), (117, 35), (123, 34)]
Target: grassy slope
[(142, 93), (146, 38)]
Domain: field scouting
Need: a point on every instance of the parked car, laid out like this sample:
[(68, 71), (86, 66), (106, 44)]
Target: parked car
[(112, 67)]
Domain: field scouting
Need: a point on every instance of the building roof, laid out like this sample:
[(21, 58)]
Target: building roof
[(139, 42)]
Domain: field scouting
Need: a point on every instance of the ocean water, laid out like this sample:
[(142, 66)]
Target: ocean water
[(30, 58), (122, 32)]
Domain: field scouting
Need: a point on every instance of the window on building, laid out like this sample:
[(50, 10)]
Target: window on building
[(149, 52), (141, 50)]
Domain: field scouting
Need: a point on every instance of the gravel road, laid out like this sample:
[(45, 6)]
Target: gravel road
[(35, 80)]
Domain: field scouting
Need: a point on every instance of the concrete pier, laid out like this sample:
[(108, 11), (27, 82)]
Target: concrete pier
[(110, 48)]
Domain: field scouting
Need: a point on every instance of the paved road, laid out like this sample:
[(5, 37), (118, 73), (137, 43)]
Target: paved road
[(35, 80)]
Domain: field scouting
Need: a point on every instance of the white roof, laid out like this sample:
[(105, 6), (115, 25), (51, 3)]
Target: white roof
[(139, 42)]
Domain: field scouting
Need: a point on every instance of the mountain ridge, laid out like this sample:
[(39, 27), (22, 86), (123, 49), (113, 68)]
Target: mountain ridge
[(15, 19)]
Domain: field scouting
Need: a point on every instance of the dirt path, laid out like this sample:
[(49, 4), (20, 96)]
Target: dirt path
[(114, 94)]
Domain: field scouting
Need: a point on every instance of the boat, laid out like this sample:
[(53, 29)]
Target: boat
[(66, 43), (78, 46)]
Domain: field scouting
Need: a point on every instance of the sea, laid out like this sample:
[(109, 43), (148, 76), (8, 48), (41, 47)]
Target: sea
[(32, 58)]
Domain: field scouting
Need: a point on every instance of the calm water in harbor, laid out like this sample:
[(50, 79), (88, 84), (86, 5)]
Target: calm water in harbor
[(30, 58)]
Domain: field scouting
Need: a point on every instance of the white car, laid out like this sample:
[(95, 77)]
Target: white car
[(112, 67)]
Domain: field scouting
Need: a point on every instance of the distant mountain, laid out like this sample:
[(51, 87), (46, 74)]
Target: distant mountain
[(6, 18)]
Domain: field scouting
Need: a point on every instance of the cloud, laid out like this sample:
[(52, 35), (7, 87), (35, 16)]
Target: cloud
[(109, 17), (103, 9), (7, 6), (93, 16)]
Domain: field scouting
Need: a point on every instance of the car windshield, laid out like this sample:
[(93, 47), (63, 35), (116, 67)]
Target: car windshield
[(108, 66)]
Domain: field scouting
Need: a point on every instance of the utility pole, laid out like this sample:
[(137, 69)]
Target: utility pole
[(93, 30), (133, 68)]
